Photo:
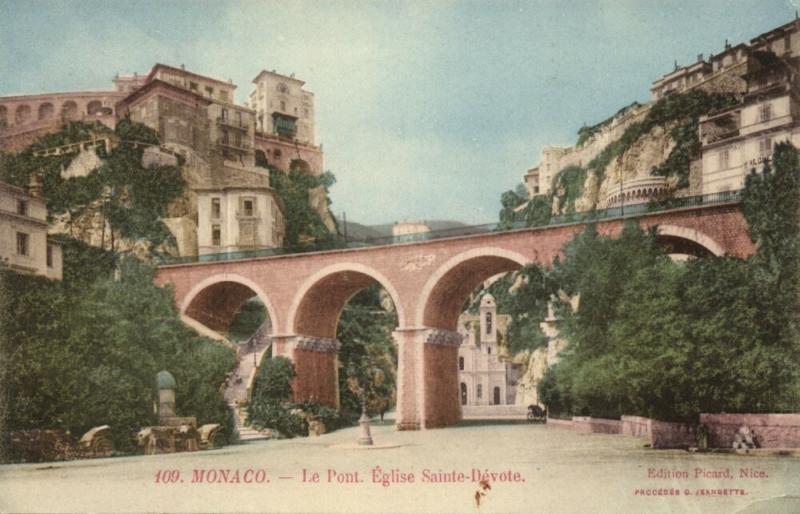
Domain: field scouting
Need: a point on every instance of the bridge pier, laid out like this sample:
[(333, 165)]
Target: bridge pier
[(316, 367), (427, 378)]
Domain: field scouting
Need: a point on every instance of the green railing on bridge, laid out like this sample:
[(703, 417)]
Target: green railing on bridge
[(625, 211)]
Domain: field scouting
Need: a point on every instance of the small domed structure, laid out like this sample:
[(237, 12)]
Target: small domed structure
[(487, 300), (165, 380)]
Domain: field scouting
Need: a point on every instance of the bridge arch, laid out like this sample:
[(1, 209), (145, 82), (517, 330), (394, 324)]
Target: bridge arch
[(215, 300), (690, 241), (320, 299), (443, 296)]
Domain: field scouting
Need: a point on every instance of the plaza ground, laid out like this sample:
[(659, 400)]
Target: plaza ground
[(562, 472)]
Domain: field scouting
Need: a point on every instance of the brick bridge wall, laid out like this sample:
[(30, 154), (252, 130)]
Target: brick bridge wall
[(428, 282)]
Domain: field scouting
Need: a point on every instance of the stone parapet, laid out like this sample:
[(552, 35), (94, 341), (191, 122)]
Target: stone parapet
[(591, 425)]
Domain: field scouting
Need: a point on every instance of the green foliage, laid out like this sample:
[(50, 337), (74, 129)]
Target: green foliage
[(133, 198), (281, 417), (83, 263), (251, 315), (568, 187), (367, 356), (536, 212), (667, 340), (269, 406), (303, 223), (274, 381), (84, 357)]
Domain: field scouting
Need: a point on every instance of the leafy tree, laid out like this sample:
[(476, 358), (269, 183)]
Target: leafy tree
[(367, 356), (88, 357), (274, 381)]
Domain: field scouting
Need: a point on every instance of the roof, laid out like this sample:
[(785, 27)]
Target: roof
[(154, 85), (165, 380), (265, 72), (182, 71)]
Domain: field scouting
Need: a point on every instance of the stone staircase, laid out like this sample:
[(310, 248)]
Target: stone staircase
[(239, 383)]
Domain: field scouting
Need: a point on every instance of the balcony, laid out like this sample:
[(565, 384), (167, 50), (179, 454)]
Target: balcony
[(235, 124), (719, 127), (229, 144)]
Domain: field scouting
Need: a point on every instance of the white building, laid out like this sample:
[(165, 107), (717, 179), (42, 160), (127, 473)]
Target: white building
[(234, 219), (482, 370), (283, 107), (24, 246), (742, 138)]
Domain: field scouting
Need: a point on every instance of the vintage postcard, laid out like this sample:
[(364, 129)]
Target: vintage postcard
[(402, 257)]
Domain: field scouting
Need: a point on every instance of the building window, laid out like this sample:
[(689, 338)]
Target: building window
[(479, 391), (765, 147), (248, 207), (22, 244), (488, 323), (209, 91), (22, 207), (215, 208), (193, 86), (49, 256), (283, 88), (223, 95), (489, 350), (216, 235), (463, 393), (765, 112), (224, 114), (461, 363), (283, 105), (723, 159)]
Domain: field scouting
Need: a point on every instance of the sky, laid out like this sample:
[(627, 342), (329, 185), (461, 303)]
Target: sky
[(426, 110)]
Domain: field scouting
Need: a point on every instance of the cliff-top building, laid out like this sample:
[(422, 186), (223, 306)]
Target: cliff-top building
[(762, 73), (231, 206)]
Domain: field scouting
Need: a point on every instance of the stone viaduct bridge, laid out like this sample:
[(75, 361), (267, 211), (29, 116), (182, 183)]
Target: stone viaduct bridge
[(428, 282)]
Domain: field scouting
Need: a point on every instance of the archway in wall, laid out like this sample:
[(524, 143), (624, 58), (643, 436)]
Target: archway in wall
[(46, 111), (459, 378), (69, 111), (222, 305), (233, 311), (444, 297), (681, 243), (357, 308), (22, 114)]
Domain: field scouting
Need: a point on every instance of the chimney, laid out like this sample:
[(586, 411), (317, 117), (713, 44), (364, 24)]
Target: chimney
[(183, 67), (699, 57), (35, 187), (676, 64), (727, 45)]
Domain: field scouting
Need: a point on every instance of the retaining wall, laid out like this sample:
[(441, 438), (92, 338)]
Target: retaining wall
[(771, 430)]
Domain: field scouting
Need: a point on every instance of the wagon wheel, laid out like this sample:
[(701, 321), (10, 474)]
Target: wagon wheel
[(102, 447)]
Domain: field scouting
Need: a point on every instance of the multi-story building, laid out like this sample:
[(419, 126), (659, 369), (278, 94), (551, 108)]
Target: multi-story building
[(24, 244), (762, 73), (196, 117), (741, 138), (483, 370), (238, 218), (284, 117)]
